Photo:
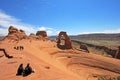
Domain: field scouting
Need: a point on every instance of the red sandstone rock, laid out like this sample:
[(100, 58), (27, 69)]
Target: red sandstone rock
[(84, 47), (117, 55), (42, 34), (15, 34), (34, 37), (67, 44)]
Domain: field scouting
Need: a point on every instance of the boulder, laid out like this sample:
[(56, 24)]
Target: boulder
[(42, 35), (12, 30), (117, 55), (84, 47), (32, 36)]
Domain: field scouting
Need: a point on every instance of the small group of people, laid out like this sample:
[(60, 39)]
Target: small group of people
[(19, 47), (25, 72)]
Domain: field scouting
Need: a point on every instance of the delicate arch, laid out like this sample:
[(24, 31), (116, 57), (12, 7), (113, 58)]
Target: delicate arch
[(67, 44)]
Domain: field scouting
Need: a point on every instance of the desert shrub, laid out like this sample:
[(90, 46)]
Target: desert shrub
[(118, 78), (106, 77), (101, 78)]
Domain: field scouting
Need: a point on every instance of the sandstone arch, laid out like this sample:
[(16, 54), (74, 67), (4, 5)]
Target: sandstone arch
[(67, 44)]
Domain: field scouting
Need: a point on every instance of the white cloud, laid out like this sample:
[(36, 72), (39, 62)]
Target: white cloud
[(106, 32), (112, 31), (42, 28), (50, 31), (3, 31), (7, 20), (6, 17)]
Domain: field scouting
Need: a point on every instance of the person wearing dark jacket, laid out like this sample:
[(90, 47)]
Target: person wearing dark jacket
[(20, 70), (28, 70)]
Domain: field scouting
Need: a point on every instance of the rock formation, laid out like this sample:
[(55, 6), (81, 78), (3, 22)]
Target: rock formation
[(109, 51), (42, 34), (117, 55), (34, 37), (12, 30), (15, 34), (84, 47), (67, 40)]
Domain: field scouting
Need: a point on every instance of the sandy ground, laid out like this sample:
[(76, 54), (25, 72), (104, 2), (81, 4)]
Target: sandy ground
[(51, 63)]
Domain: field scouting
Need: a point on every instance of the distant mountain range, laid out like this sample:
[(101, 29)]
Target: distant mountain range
[(97, 36)]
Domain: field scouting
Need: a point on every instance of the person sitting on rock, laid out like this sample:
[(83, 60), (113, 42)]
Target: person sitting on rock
[(17, 48), (21, 47), (28, 70), (14, 47), (20, 70)]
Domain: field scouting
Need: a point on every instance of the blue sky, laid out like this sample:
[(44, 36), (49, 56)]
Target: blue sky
[(73, 16)]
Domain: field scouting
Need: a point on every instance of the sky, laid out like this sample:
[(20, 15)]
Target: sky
[(73, 16)]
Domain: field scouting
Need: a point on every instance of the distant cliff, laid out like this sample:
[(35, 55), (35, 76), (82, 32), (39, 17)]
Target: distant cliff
[(106, 49), (99, 36)]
